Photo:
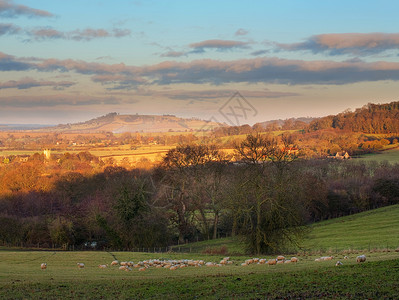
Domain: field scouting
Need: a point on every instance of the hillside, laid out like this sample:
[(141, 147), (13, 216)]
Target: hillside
[(374, 229), (117, 123), (372, 118), (378, 228)]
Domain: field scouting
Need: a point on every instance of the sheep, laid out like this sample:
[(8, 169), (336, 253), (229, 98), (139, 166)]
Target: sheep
[(43, 266), (361, 258), (288, 261), (345, 257), (80, 265), (327, 257), (280, 257), (130, 263), (172, 268), (262, 261), (115, 263), (294, 259), (142, 269), (103, 266), (272, 262), (123, 263), (280, 261), (249, 261), (338, 263)]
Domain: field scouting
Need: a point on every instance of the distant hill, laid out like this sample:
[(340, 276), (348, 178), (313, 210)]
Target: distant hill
[(117, 123), (371, 118), (281, 122), (15, 127)]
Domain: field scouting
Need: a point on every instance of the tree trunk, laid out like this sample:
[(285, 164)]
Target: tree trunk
[(215, 225)]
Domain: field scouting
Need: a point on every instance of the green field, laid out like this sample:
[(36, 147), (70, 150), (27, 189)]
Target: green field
[(371, 230), (391, 155), (21, 276), (375, 229)]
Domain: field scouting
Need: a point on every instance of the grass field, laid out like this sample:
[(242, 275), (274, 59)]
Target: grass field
[(377, 228), (21, 278), (377, 278), (371, 230), (391, 155)]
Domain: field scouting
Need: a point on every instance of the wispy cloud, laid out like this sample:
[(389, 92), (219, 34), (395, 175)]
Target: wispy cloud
[(10, 63), (211, 95), (359, 44), (174, 54), (27, 83), (264, 69), (8, 28), (260, 52), (48, 33), (77, 35), (8, 9), (62, 100), (220, 45), (241, 32)]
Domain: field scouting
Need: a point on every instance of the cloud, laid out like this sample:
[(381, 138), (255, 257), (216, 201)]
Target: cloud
[(77, 35), (259, 52), (174, 54), (212, 95), (241, 32), (216, 72), (7, 28), (220, 45), (359, 44), (27, 83), (9, 9), (62, 100), (46, 33), (10, 63)]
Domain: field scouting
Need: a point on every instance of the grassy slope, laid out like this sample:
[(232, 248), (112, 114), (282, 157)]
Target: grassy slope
[(377, 228), (391, 155)]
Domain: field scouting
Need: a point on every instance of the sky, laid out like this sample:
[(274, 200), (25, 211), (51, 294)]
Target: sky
[(237, 62)]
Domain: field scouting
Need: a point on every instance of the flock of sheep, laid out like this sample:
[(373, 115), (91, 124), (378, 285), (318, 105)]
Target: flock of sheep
[(359, 259), (183, 263)]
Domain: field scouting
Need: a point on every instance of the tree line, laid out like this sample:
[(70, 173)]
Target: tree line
[(263, 193)]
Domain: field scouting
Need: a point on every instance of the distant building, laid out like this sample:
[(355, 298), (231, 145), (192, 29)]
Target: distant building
[(340, 155)]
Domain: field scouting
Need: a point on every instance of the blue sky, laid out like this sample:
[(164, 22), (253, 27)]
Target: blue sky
[(69, 61)]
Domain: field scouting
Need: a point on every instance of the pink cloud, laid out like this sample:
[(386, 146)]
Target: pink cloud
[(347, 43)]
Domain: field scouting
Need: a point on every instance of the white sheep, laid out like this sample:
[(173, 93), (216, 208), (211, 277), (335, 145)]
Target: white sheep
[(361, 258), (294, 259), (280, 257), (43, 266), (115, 263), (103, 266), (338, 263), (81, 265)]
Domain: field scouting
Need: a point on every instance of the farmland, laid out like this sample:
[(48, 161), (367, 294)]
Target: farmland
[(391, 155), (21, 277)]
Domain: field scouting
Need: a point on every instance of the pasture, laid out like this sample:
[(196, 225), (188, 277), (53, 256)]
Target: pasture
[(21, 277), (391, 156)]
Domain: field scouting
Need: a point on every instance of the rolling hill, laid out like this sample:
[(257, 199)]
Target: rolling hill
[(117, 123), (373, 229)]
